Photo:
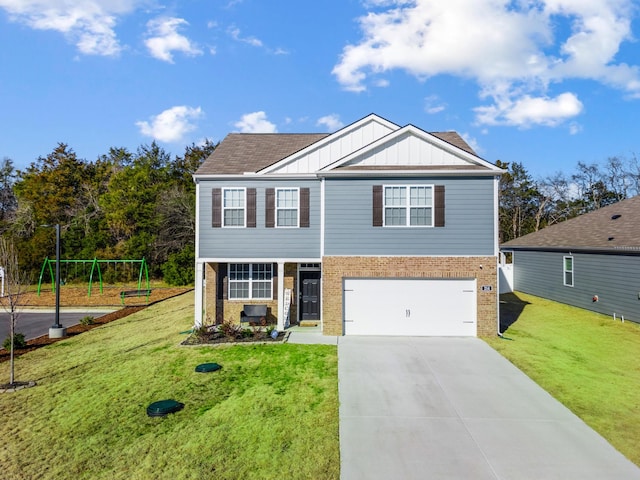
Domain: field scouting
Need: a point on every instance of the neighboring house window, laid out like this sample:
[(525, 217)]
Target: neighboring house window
[(568, 271), (287, 207), (233, 207), (250, 281), (408, 206)]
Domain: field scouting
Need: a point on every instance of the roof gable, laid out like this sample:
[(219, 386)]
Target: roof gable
[(612, 228), (412, 147), (333, 147)]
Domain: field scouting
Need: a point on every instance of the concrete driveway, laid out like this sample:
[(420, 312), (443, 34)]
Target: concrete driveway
[(453, 408)]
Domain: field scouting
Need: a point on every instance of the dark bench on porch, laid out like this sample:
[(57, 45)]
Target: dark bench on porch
[(254, 314), (134, 293)]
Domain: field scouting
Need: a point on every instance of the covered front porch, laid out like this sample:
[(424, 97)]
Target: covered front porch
[(290, 290)]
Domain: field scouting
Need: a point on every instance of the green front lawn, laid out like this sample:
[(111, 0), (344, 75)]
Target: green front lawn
[(270, 412), (587, 361)]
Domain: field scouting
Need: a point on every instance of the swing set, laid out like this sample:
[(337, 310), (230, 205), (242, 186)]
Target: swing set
[(95, 270)]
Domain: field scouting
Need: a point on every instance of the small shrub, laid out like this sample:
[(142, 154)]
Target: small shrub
[(230, 329), (87, 320), (18, 342), (247, 332), (269, 329)]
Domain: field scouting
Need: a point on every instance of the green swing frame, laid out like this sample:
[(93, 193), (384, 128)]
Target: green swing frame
[(95, 269)]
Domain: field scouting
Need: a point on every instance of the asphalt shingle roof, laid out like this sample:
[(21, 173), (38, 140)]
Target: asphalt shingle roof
[(250, 152), (612, 228)]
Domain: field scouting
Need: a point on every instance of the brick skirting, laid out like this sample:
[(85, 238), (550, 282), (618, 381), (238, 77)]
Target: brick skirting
[(334, 269)]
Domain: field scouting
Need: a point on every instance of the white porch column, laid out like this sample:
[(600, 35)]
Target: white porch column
[(199, 286), (280, 325)]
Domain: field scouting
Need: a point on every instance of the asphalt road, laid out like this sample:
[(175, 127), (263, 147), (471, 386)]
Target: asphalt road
[(33, 324)]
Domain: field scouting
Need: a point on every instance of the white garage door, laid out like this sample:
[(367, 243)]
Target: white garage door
[(423, 307)]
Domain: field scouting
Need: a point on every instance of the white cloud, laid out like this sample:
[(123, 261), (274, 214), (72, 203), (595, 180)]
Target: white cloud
[(514, 50), (527, 111), (163, 39), (331, 122), (433, 105), (235, 34), (89, 24), (255, 122), (171, 125)]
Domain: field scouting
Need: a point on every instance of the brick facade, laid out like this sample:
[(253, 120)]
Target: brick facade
[(218, 309), (334, 269)]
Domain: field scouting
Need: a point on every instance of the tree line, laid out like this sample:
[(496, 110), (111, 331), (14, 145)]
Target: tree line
[(527, 205), (123, 205), (134, 205)]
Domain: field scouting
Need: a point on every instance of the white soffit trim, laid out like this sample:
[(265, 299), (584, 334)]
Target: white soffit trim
[(327, 141), (394, 138)]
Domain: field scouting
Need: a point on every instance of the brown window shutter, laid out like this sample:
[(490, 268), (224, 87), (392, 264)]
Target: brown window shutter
[(438, 204), (223, 282), (216, 207), (251, 207), (377, 205), (274, 280), (304, 207), (270, 208)]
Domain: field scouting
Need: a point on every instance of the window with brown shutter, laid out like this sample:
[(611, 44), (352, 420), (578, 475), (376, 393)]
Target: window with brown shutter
[(377, 205), (304, 207), (216, 207), (438, 206), (251, 207), (270, 208)]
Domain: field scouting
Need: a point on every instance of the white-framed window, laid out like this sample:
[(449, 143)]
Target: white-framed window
[(249, 281), (287, 207), (408, 205), (234, 212), (567, 267)]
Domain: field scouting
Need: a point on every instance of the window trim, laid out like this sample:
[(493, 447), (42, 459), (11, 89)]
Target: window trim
[(223, 208), (565, 271), (297, 209), (249, 281), (408, 206)]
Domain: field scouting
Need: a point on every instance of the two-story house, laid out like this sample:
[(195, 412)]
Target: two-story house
[(375, 229)]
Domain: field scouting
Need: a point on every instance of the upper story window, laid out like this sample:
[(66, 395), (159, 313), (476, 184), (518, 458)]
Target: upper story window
[(567, 266), (287, 211), (233, 207), (408, 205), (287, 207)]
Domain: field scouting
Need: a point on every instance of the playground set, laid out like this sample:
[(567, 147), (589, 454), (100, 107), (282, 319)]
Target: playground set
[(127, 272)]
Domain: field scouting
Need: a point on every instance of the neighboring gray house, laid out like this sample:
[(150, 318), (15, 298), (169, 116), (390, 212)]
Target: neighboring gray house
[(591, 261), (374, 229)]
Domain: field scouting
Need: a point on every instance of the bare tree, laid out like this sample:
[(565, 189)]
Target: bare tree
[(15, 282)]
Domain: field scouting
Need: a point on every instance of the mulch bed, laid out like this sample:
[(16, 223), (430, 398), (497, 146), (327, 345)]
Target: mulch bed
[(77, 297), (219, 338)]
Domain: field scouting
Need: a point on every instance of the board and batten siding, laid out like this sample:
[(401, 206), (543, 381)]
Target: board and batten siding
[(468, 230), (259, 242), (615, 279)]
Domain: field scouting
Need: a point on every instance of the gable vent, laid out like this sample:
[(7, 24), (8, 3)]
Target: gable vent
[(616, 216)]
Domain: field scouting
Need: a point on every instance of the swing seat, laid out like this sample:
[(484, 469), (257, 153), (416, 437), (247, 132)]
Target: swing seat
[(134, 293)]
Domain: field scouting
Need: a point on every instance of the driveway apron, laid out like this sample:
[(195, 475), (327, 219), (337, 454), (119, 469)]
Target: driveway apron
[(453, 408)]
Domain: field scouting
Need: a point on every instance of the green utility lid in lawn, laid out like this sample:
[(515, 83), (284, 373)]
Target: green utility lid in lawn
[(207, 367), (163, 408)]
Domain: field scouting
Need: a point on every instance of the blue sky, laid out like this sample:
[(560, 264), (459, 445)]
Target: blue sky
[(544, 82)]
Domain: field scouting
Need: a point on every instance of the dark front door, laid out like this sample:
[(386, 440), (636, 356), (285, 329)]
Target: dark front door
[(310, 295)]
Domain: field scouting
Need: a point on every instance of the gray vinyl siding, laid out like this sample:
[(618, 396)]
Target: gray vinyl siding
[(259, 242), (615, 279), (468, 230)]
